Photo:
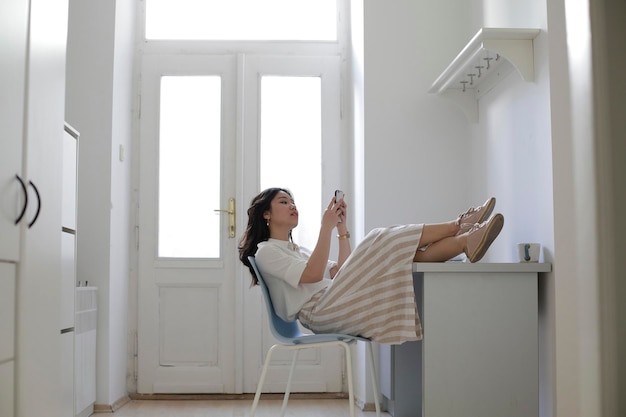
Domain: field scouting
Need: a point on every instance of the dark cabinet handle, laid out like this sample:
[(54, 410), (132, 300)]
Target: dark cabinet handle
[(25, 199), (38, 204)]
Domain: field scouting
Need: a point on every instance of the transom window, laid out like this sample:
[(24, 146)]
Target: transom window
[(255, 20)]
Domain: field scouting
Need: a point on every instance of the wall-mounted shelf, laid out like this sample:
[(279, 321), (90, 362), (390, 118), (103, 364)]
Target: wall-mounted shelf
[(491, 55)]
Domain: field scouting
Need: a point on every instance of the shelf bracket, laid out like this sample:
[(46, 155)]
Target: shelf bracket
[(518, 52)]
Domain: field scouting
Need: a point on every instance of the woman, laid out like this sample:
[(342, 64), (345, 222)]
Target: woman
[(368, 292)]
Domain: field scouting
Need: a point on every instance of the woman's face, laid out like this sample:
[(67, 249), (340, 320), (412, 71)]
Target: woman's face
[(283, 211)]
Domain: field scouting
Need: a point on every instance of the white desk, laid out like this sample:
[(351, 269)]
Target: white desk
[(479, 355)]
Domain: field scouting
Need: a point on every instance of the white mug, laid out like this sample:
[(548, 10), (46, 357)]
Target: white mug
[(528, 252)]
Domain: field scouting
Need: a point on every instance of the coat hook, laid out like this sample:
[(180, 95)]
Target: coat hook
[(488, 61), (464, 83), (479, 68), (471, 78)]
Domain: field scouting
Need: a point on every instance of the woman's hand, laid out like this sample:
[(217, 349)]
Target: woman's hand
[(342, 230), (343, 211), (333, 214), (316, 265), (314, 271)]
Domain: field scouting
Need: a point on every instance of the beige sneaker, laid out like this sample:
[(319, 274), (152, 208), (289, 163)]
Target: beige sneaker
[(481, 236), (475, 215)]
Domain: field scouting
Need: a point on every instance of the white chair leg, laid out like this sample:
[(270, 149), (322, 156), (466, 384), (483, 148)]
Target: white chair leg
[(349, 372), (370, 357), (259, 387), (288, 389)]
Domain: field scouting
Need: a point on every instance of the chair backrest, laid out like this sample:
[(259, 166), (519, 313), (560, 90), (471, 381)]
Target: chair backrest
[(284, 331)]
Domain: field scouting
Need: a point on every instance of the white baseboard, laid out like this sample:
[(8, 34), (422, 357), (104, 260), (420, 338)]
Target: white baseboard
[(105, 408)]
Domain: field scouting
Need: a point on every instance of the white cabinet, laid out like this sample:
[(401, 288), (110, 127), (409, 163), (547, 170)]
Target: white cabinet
[(7, 312), (13, 35), (68, 271), (33, 36), (70, 181), (6, 393), (66, 380), (68, 223), (68, 280), (13, 32), (7, 337), (85, 350)]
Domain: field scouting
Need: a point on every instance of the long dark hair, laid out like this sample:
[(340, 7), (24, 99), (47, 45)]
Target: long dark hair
[(257, 230)]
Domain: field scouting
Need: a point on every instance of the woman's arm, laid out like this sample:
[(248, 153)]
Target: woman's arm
[(344, 252), (318, 261)]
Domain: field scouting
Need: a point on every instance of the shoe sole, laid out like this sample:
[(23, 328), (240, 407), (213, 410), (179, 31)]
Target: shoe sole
[(493, 230)]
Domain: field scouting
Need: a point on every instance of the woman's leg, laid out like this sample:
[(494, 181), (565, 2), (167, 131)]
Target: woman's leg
[(432, 233), (442, 250), (439, 233)]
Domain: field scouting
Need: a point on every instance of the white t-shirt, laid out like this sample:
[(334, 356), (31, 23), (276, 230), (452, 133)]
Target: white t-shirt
[(281, 263)]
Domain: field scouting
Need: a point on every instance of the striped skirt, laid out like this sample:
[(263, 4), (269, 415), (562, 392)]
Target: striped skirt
[(372, 294)]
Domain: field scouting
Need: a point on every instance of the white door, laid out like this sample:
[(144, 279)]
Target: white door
[(201, 329), (292, 139), (186, 262)]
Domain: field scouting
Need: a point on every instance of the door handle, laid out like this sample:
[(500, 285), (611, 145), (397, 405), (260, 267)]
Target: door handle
[(231, 217), (19, 218)]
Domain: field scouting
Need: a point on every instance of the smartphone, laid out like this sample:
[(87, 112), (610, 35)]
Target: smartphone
[(338, 196)]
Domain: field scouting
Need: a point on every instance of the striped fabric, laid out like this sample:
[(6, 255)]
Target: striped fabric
[(372, 294)]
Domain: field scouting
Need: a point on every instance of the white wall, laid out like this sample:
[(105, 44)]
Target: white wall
[(122, 209), (362, 389), (98, 105), (513, 155), (415, 146)]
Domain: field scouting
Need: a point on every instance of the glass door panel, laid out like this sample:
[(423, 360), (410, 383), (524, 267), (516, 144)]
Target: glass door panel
[(189, 167), (291, 146)]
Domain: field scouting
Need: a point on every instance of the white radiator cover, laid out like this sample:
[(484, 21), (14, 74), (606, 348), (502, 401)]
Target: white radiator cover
[(85, 350)]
